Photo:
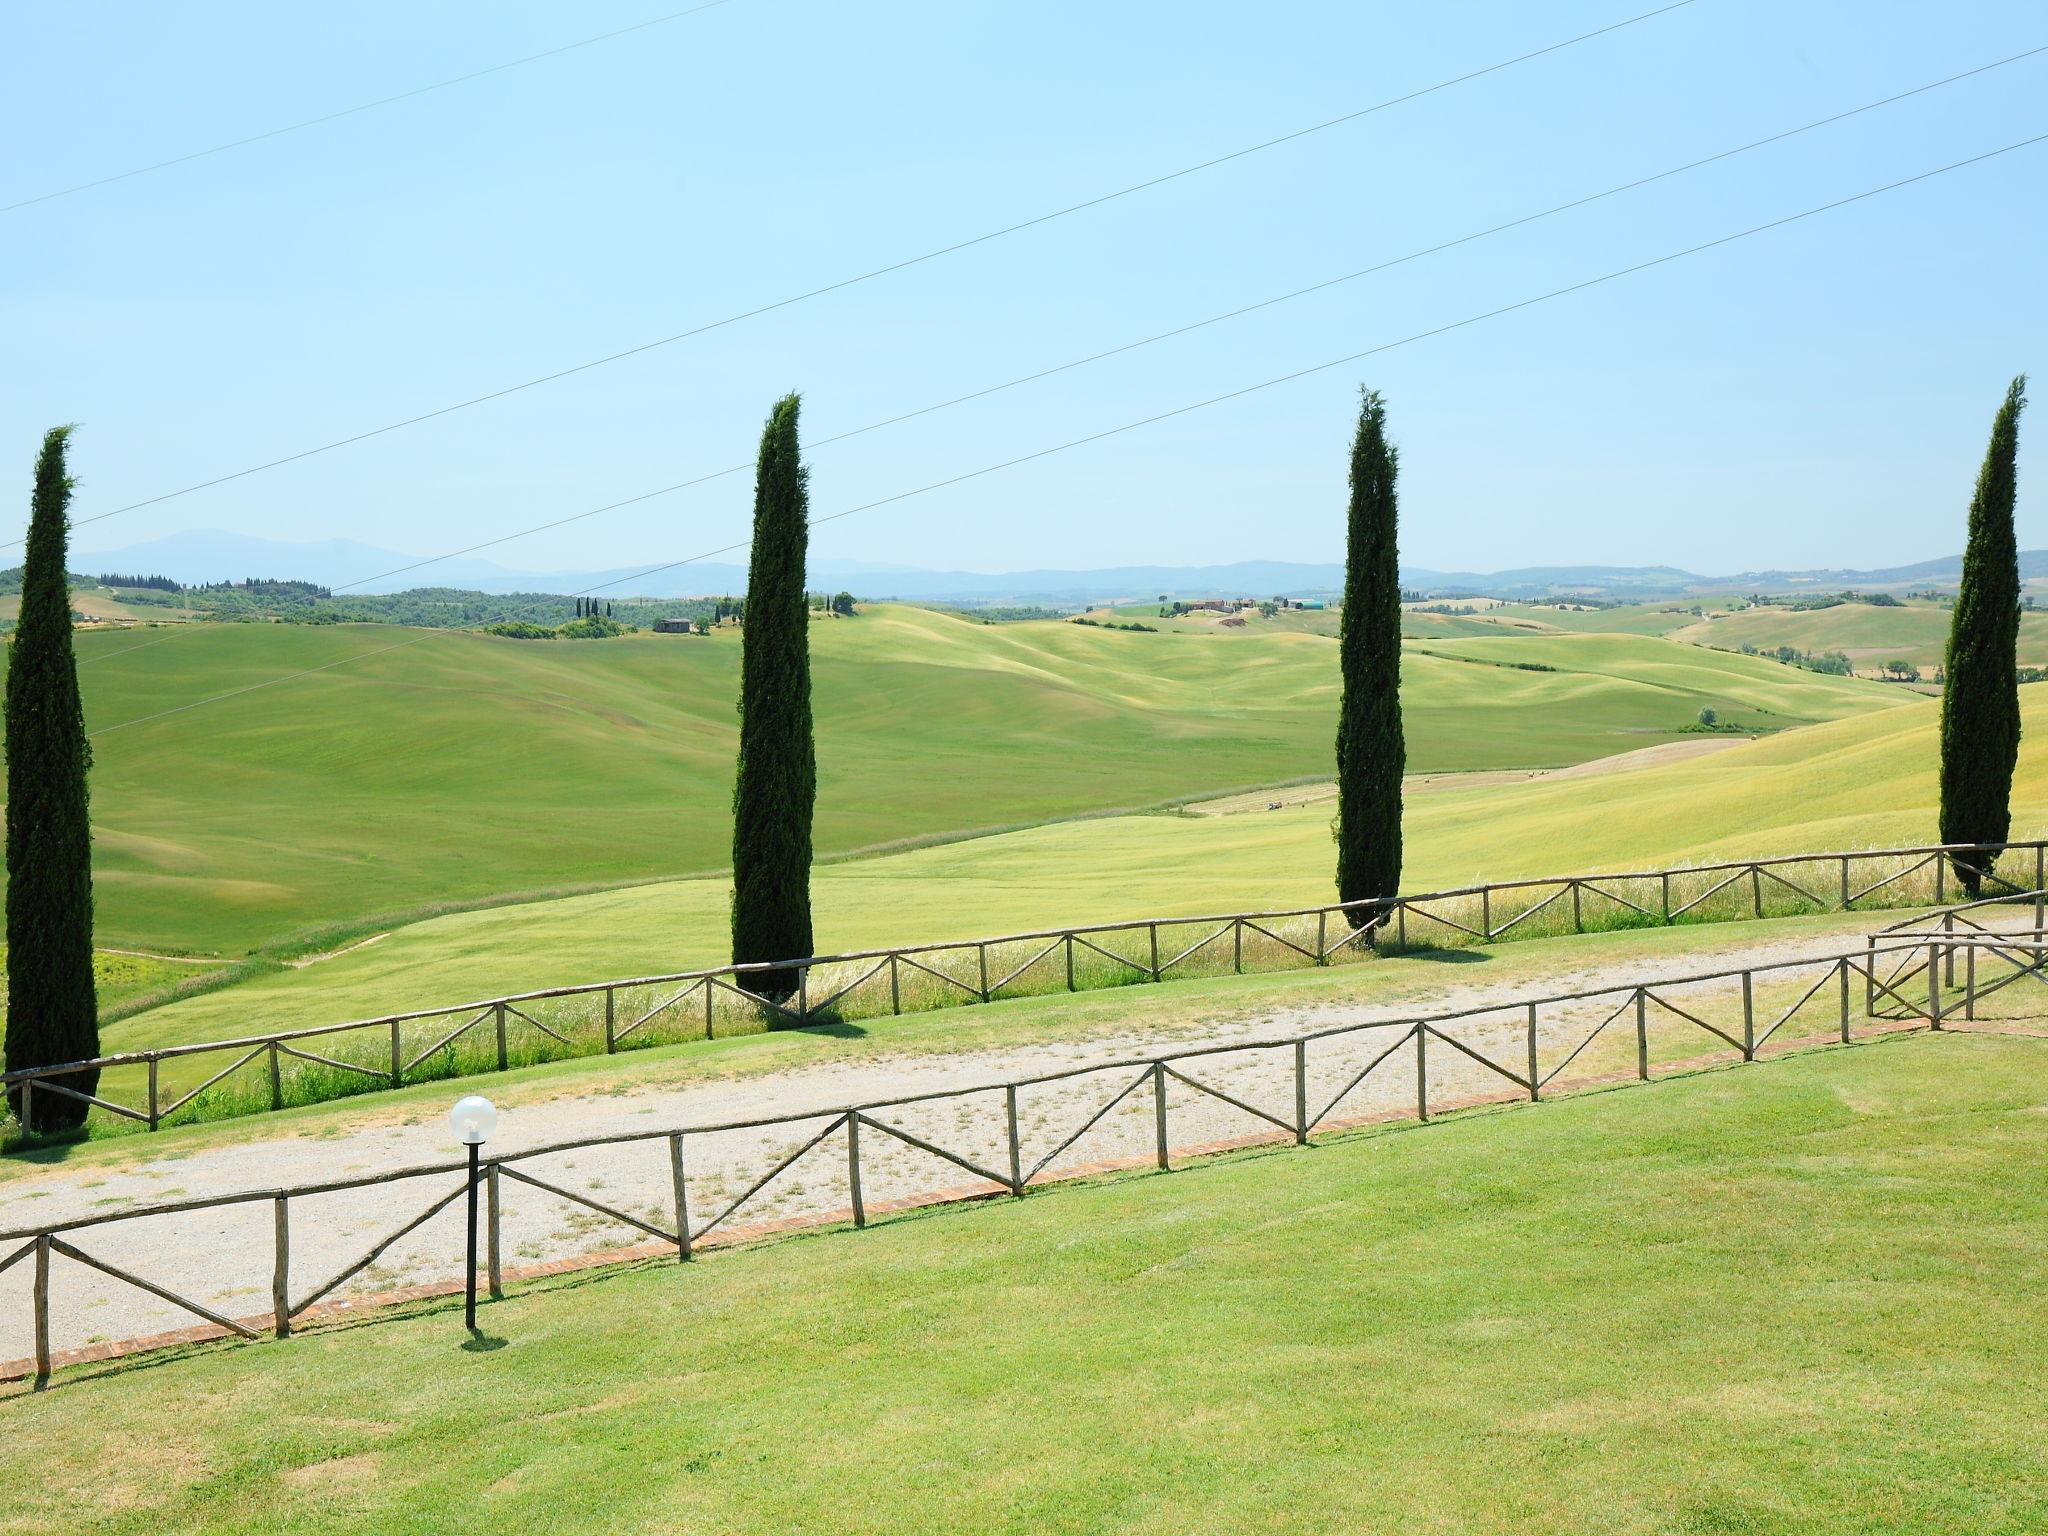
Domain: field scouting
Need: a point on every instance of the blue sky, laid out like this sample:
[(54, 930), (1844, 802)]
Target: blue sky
[(1817, 395)]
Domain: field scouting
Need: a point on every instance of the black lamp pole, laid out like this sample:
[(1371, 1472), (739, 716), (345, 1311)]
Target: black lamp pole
[(469, 1302)]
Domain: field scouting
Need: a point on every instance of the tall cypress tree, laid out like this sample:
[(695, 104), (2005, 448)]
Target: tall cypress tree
[(52, 1014), (776, 787), (1370, 751), (1980, 700)]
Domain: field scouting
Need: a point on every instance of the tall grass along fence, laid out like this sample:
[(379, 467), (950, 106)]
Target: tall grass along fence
[(328, 1248), (222, 1078)]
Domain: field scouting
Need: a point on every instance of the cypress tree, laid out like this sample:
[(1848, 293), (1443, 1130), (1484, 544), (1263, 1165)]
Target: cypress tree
[(1370, 752), (776, 785), (52, 1014), (1980, 700)]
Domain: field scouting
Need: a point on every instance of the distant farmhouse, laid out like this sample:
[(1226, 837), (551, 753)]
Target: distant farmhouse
[(673, 627)]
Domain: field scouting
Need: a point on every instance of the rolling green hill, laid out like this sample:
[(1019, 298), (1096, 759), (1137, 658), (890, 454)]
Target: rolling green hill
[(1863, 782), (402, 768), (1870, 636)]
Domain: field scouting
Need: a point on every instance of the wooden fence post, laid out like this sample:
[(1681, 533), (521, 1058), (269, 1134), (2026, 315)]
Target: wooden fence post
[(682, 1196), (1940, 879), (611, 1038), (1948, 926), (895, 986), (1301, 1093), (397, 1055), (1159, 1111), (1664, 880), (1842, 971), (1934, 986), (276, 1079), (1016, 1142), (1970, 981), (860, 1210), (1578, 922), (981, 958), (1748, 1017), (42, 1305), (1401, 922), (1534, 1086), (803, 994), (1237, 946), (1323, 936), (494, 1230), (2040, 881), (1421, 1072), (281, 1268), (1642, 1037), (710, 1002), (1486, 913), (1070, 962), (153, 1117), (1756, 889), (499, 1011), (1845, 882)]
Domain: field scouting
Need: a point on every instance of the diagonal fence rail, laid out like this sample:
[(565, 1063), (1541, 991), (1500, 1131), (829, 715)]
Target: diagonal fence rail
[(217, 1079), (687, 1186)]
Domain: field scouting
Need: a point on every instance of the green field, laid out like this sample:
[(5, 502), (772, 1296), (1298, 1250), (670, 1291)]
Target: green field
[(1781, 1299), (1868, 781), (457, 768), (1621, 619), (1869, 636)]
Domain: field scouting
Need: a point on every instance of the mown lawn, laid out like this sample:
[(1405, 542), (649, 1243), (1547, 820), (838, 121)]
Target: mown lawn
[(1795, 1298)]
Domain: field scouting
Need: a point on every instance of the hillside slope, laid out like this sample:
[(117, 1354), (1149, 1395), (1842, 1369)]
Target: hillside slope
[(1796, 1297), (396, 768), (1863, 782)]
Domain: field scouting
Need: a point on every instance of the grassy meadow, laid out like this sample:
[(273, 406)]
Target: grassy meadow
[(425, 767), (1869, 636), (1867, 781), (1788, 1298)]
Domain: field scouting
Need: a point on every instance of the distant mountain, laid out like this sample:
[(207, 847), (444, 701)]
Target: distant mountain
[(212, 555), (208, 555)]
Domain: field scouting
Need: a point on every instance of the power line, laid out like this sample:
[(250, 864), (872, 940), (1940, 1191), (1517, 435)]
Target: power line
[(1232, 314), (1199, 405), (361, 107), (883, 271)]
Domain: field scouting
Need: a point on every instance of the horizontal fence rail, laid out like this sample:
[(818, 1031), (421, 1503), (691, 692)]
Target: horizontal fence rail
[(690, 1182), (172, 1084)]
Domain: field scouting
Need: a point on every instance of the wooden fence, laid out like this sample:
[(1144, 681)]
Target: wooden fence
[(216, 1079), (1280, 1089)]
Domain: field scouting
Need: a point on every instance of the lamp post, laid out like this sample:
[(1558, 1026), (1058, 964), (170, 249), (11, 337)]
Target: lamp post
[(472, 1119)]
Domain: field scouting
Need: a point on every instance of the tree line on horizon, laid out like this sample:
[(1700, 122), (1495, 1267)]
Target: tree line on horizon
[(52, 1008)]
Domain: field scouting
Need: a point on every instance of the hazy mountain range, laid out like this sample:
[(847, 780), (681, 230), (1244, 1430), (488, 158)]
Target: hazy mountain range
[(211, 555)]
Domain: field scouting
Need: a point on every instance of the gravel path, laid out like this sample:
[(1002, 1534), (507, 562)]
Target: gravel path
[(223, 1257)]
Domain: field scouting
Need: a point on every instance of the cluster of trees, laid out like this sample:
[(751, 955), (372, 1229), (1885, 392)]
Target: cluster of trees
[(155, 583), (1002, 613), (595, 626), (1813, 602), (1834, 663)]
